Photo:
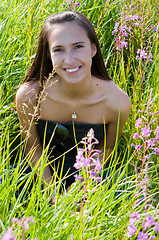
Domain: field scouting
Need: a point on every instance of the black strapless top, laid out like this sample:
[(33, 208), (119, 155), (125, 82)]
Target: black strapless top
[(61, 138)]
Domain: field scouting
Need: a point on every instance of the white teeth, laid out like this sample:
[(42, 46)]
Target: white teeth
[(72, 69)]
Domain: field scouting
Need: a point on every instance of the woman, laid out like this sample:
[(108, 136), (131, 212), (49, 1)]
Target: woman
[(78, 91)]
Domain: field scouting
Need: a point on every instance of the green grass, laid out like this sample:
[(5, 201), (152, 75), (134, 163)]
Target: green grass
[(105, 215)]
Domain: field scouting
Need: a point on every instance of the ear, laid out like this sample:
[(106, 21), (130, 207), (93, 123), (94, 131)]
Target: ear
[(94, 50)]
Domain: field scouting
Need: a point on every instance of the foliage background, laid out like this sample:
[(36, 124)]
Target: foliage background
[(105, 215)]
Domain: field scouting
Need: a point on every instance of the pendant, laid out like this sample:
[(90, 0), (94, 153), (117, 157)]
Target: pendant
[(74, 116)]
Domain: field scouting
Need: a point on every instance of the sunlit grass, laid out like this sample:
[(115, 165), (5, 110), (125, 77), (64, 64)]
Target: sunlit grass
[(105, 214)]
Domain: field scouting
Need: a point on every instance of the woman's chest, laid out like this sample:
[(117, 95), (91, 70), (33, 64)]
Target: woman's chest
[(79, 111)]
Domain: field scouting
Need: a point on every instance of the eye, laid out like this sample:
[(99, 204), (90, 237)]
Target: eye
[(58, 50), (78, 46)]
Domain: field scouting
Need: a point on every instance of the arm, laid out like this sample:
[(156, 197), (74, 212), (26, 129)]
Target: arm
[(25, 105), (119, 110)]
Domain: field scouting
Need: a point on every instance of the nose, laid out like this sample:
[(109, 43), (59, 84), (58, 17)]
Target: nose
[(69, 57)]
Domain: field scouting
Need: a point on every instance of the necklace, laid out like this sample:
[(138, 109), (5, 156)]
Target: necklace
[(74, 114)]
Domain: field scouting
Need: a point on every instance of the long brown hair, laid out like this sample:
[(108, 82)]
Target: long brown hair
[(42, 64)]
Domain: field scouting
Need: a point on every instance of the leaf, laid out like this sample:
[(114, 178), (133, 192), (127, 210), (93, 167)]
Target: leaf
[(7, 107)]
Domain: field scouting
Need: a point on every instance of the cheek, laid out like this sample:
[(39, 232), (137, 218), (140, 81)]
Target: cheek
[(55, 60), (85, 56), (88, 57), (88, 54)]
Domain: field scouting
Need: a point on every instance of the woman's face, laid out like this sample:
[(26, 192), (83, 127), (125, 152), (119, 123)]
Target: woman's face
[(71, 51)]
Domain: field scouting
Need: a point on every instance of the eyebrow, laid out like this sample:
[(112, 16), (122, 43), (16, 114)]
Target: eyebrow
[(71, 44), (77, 43)]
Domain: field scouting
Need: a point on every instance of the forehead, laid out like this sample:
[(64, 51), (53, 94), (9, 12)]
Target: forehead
[(66, 33)]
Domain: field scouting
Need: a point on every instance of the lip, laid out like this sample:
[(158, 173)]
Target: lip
[(72, 72)]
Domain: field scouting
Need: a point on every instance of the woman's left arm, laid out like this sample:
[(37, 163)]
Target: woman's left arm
[(119, 110)]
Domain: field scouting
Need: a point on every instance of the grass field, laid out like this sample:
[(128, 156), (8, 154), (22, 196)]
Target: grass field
[(128, 34)]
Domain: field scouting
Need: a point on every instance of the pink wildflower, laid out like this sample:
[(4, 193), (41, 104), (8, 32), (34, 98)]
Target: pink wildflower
[(86, 162), (138, 147), (136, 24), (156, 150), (98, 165), (94, 174), (99, 179), (157, 131), (142, 236), (150, 221), (125, 34), (135, 135), (8, 235), (153, 237), (77, 177), (157, 227), (150, 57), (129, 29), (88, 157), (122, 28), (123, 43), (79, 163), (150, 143), (131, 230), (131, 17), (138, 122), (145, 132), (135, 215), (142, 53)]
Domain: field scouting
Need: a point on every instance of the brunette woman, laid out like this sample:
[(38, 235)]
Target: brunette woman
[(68, 83)]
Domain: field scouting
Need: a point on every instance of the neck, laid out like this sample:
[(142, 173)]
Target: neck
[(78, 90)]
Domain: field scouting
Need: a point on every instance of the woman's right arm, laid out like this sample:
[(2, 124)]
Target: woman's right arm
[(26, 99)]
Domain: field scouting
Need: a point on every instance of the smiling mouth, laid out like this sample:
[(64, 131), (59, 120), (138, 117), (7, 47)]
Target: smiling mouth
[(72, 70)]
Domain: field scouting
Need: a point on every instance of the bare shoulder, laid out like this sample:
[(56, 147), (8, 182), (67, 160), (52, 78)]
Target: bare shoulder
[(116, 101), (116, 97), (27, 92)]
